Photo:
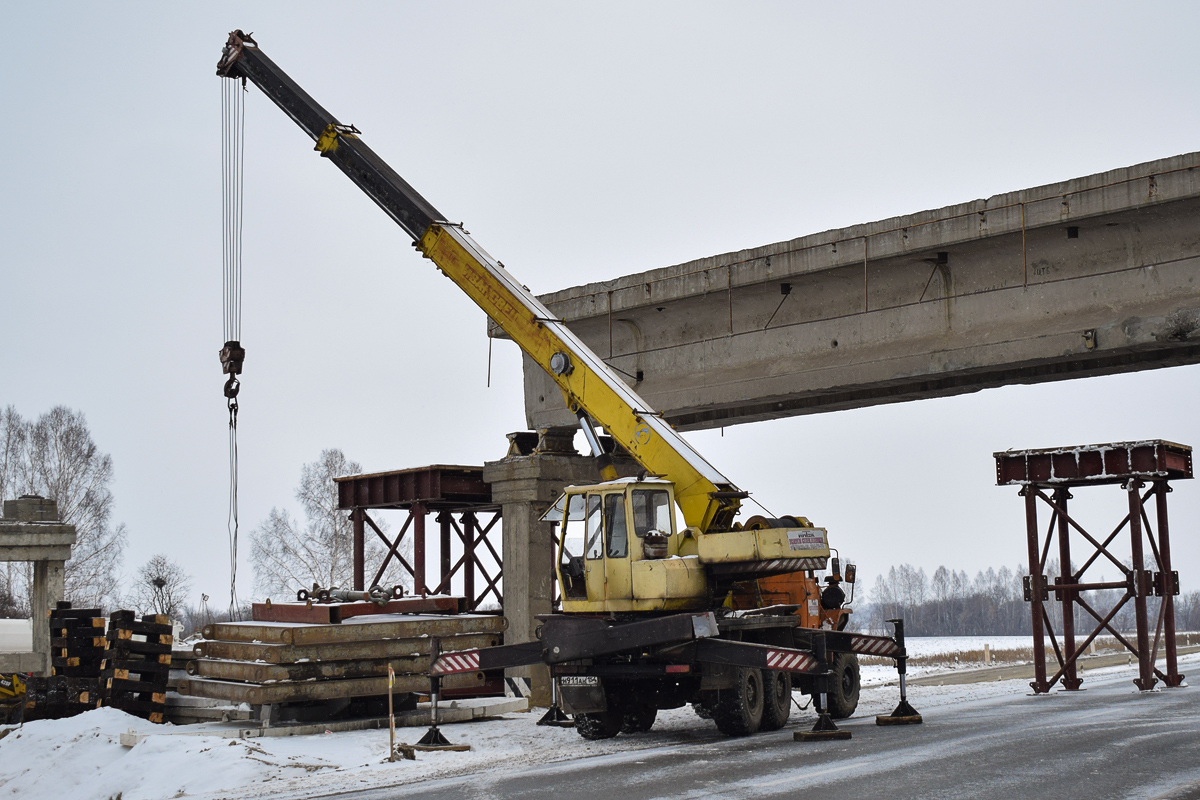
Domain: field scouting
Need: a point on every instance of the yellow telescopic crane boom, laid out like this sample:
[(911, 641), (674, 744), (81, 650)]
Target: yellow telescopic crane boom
[(592, 390)]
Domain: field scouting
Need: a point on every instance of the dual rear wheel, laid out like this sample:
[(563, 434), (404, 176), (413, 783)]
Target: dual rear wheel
[(759, 700), (618, 718)]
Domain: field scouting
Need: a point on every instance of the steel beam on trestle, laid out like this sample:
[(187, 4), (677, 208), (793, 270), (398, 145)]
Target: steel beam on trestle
[(1167, 582), (1035, 589), (1070, 679)]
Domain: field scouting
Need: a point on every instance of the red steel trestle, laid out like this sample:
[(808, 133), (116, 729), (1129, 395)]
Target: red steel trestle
[(1143, 470), (462, 549)]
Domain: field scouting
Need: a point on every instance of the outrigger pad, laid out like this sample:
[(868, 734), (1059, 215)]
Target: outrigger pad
[(434, 740), (823, 731), (904, 714), (557, 717)]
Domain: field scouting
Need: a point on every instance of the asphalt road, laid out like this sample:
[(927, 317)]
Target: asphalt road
[(1106, 742)]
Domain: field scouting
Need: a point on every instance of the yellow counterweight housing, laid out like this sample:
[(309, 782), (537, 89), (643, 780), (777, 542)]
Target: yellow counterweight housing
[(763, 545)]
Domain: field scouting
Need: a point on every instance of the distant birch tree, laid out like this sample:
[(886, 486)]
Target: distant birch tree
[(55, 457), (288, 555)]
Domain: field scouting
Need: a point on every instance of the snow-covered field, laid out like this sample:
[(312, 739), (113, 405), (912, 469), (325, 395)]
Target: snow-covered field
[(918, 646), (81, 758), (947, 646)]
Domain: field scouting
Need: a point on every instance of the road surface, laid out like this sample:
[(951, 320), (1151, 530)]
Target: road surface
[(1107, 742)]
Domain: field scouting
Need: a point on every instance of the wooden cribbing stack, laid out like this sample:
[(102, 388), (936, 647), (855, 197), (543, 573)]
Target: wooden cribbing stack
[(137, 664), (77, 647), (59, 696), (77, 641)]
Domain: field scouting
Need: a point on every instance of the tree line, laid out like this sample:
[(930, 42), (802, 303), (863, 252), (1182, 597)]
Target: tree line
[(950, 603)]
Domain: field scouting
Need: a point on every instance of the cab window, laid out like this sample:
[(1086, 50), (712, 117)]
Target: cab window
[(651, 512), (594, 528), (614, 523)]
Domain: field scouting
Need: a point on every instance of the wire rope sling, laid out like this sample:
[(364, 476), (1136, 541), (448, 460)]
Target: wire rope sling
[(233, 136)]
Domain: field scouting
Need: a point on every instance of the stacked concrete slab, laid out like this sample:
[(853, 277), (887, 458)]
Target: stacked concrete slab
[(267, 664)]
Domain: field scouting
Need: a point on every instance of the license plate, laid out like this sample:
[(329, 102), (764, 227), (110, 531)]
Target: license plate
[(579, 680)]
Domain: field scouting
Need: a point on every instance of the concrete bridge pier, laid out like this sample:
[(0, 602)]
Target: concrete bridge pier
[(30, 530), (526, 483)]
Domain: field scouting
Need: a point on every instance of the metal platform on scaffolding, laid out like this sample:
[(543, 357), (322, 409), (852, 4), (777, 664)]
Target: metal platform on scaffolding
[(466, 518)]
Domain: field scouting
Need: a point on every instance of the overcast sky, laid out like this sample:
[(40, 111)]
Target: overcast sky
[(579, 143)]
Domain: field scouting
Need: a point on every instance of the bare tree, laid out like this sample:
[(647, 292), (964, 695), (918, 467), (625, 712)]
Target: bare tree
[(14, 443), (288, 556), (65, 464), (55, 457), (161, 587)]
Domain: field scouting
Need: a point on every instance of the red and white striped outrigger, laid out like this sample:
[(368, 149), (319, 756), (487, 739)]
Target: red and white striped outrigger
[(875, 645), (454, 663)]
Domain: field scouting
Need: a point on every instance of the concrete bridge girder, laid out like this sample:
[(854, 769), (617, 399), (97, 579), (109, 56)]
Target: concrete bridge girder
[(1092, 276)]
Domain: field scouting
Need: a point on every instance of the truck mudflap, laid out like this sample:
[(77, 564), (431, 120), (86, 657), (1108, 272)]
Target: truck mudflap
[(844, 642), (567, 638)]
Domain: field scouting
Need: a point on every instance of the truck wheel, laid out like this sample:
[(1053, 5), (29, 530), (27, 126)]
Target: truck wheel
[(703, 710), (777, 699), (639, 719), (843, 689), (740, 710), (602, 725)]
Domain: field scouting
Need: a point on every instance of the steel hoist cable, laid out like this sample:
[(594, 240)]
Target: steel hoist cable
[(233, 145)]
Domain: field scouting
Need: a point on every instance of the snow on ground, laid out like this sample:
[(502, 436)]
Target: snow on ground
[(82, 757)]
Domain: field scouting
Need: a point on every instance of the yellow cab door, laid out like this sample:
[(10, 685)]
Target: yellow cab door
[(593, 562), (617, 570)]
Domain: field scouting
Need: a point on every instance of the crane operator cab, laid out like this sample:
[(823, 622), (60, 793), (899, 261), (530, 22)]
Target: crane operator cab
[(619, 549)]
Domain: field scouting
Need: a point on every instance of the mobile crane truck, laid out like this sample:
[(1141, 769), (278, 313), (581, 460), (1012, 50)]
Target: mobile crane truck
[(727, 616)]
